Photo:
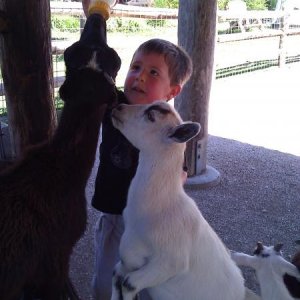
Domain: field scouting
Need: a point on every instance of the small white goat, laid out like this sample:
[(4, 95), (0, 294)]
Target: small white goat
[(167, 247), (270, 267)]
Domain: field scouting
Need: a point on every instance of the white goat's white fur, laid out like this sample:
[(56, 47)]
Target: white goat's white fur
[(167, 247), (270, 267)]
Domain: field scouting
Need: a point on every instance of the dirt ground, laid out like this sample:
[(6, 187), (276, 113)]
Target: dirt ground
[(254, 143)]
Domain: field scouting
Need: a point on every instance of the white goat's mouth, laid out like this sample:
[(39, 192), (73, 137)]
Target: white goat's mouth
[(116, 120)]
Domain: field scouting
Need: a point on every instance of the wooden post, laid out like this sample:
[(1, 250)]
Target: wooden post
[(196, 34), (26, 64), (282, 39), (82, 21)]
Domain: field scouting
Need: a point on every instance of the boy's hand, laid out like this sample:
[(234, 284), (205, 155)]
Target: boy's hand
[(184, 176)]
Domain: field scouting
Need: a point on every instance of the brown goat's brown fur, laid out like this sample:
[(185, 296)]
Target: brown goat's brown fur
[(292, 284), (42, 197), (43, 207)]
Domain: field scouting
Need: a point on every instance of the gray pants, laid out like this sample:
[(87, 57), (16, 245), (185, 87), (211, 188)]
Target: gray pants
[(108, 232)]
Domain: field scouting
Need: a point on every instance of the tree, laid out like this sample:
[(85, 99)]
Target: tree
[(26, 64), (196, 34)]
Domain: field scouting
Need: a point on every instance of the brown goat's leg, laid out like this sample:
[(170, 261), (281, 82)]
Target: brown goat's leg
[(71, 291), (66, 291), (62, 289)]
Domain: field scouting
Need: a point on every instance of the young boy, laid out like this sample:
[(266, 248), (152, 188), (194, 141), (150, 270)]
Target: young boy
[(158, 71)]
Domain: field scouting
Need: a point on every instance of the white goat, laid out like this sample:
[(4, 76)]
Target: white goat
[(167, 247), (270, 268)]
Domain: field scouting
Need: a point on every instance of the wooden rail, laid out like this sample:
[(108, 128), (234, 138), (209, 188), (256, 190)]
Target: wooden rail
[(250, 14), (144, 12), (119, 10), (66, 8), (57, 82)]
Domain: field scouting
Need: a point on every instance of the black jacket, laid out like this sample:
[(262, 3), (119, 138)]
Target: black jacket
[(118, 164)]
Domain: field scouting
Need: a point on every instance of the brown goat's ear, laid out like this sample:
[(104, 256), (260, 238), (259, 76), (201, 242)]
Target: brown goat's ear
[(63, 90), (184, 132), (259, 248)]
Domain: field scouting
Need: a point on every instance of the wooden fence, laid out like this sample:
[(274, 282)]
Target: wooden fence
[(266, 24)]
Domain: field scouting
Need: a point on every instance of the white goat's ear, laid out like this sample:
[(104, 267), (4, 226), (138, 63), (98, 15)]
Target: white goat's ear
[(184, 132), (278, 247), (259, 248)]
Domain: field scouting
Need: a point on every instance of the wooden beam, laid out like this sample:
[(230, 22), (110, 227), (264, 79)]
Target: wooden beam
[(26, 65), (196, 34)]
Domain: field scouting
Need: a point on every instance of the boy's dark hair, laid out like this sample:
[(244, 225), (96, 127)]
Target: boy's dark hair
[(178, 61)]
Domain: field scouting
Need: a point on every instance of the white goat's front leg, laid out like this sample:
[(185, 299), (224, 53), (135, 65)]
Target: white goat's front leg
[(242, 259), (117, 282), (156, 271)]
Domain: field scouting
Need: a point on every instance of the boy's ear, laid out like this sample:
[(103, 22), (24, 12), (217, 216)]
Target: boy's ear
[(175, 90), (184, 132)]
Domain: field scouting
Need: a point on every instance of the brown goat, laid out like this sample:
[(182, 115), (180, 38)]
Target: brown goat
[(42, 197), (292, 283)]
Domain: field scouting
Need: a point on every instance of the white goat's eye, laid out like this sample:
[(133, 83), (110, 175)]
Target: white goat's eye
[(150, 115)]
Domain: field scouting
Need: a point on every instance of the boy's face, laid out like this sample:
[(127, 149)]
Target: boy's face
[(148, 80)]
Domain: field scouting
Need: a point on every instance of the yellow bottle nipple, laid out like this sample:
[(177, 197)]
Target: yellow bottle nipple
[(99, 7)]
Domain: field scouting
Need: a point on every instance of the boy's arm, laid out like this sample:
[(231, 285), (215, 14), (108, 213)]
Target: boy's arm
[(184, 175)]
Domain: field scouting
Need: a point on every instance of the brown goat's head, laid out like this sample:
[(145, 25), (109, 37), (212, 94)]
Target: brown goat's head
[(88, 59)]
